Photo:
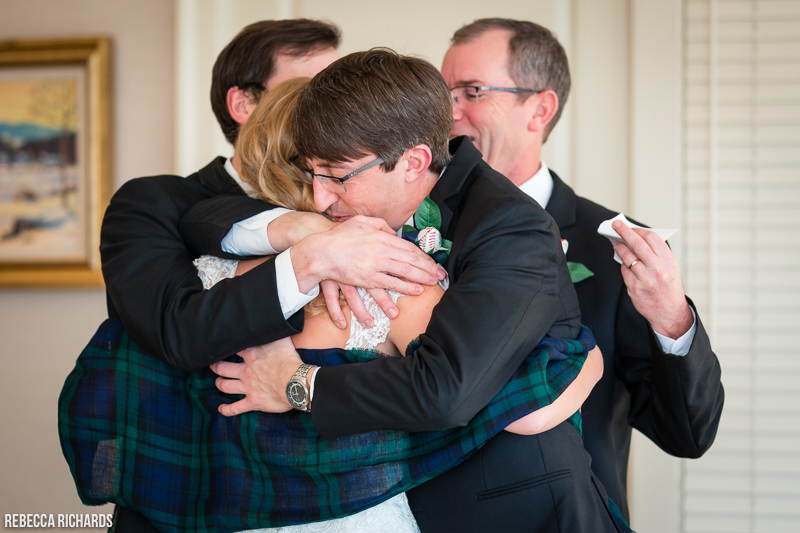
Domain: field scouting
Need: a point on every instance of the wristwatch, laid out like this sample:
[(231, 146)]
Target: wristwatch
[(297, 390)]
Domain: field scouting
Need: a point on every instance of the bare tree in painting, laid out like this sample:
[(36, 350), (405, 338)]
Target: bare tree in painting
[(55, 102)]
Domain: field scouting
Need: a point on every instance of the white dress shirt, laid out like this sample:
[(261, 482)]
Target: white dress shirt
[(250, 237), (540, 188)]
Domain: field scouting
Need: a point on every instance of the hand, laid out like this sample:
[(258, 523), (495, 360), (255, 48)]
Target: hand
[(331, 289), (654, 281), (363, 252), (262, 378), (290, 228)]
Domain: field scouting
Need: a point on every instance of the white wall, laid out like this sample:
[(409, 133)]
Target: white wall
[(591, 153), (43, 331)]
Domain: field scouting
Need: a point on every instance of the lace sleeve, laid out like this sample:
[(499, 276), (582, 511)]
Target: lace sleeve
[(361, 337), (212, 270)]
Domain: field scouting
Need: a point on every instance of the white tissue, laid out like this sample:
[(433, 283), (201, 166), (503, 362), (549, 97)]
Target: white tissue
[(608, 232)]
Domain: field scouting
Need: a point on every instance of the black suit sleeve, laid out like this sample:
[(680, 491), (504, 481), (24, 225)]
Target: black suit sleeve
[(675, 400), (208, 222), (504, 301), (153, 287)]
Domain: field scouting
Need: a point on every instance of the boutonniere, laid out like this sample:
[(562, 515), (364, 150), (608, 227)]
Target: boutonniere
[(577, 271), (425, 231)]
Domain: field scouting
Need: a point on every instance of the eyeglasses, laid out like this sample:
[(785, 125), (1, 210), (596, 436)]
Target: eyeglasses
[(473, 94), (332, 183)]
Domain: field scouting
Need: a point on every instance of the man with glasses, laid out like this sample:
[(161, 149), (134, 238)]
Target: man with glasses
[(510, 81), (331, 183)]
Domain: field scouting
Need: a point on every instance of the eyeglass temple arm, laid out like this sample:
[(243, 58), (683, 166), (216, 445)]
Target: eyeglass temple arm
[(365, 167)]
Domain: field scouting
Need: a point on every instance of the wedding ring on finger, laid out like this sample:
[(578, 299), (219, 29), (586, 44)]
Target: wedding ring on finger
[(634, 262)]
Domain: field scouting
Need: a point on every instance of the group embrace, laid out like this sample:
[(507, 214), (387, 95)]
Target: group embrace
[(383, 312)]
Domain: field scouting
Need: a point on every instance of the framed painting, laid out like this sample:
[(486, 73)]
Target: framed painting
[(55, 160)]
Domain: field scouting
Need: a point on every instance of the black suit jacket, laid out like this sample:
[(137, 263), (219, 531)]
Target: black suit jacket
[(675, 401), (509, 287), (153, 288)]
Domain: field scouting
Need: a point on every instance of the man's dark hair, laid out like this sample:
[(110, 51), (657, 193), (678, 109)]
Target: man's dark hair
[(375, 102), (537, 60), (249, 59)]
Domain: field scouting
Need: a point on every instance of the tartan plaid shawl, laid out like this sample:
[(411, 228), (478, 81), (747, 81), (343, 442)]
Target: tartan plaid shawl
[(141, 434)]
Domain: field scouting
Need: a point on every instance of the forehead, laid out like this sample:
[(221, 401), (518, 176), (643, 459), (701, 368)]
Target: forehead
[(347, 166), (483, 60), (306, 66)]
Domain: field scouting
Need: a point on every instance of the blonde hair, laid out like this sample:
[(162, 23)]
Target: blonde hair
[(265, 149)]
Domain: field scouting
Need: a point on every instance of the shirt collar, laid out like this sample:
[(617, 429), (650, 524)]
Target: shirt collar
[(409, 222), (540, 186), (246, 187)]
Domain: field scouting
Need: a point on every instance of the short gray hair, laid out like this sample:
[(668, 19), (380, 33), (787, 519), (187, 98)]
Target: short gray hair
[(538, 61)]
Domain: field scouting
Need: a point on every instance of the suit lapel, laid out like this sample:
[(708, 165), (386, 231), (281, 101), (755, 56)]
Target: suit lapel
[(452, 184), (562, 205)]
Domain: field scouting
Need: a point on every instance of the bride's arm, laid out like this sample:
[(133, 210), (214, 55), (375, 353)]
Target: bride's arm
[(565, 405), (249, 264), (415, 313)]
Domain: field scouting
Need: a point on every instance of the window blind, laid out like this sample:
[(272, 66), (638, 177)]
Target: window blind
[(742, 256)]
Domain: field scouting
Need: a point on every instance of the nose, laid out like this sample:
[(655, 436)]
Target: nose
[(323, 198)]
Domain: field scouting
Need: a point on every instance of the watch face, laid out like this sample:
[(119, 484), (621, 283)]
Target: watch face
[(296, 394)]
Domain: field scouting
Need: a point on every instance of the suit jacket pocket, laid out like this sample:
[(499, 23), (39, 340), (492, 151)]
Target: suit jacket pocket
[(522, 485)]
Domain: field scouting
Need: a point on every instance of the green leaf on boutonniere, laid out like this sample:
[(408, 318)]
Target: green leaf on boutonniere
[(446, 245), (428, 215), (578, 271)]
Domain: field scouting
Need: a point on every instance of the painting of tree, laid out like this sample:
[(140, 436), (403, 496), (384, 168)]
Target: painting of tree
[(56, 103)]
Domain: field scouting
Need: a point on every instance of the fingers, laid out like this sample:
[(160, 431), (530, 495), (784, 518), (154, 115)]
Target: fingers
[(392, 283), (229, 370), (377, 223), (385, 302), (408, 253), (656, 243), (330, 289), (625, 254), (230, 386), (635, 242), (412, 265), (236, 408), (357, 306)]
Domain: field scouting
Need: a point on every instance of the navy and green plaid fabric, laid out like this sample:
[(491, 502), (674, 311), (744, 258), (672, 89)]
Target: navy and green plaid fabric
[(141, 434)]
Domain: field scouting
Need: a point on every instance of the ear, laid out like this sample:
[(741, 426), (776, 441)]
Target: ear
[(240, 105), (544, 107), (419, 159)]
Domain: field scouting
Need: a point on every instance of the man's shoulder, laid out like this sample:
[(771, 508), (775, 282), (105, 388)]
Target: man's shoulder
[(592, 213), (491, 192), (159, 183), (589, 213), (161, 188)]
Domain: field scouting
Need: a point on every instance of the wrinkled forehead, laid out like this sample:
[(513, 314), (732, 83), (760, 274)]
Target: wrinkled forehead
[(479, 61)]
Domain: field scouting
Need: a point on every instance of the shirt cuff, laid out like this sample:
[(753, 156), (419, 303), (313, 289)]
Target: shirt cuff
[(250, 237), (311, 386), (289, 295), (682, 345)]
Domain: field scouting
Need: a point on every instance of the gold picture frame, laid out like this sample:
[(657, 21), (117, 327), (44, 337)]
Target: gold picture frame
[(55, 160)]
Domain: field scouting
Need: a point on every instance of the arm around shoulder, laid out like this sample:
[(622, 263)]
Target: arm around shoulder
[(154, 290)]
